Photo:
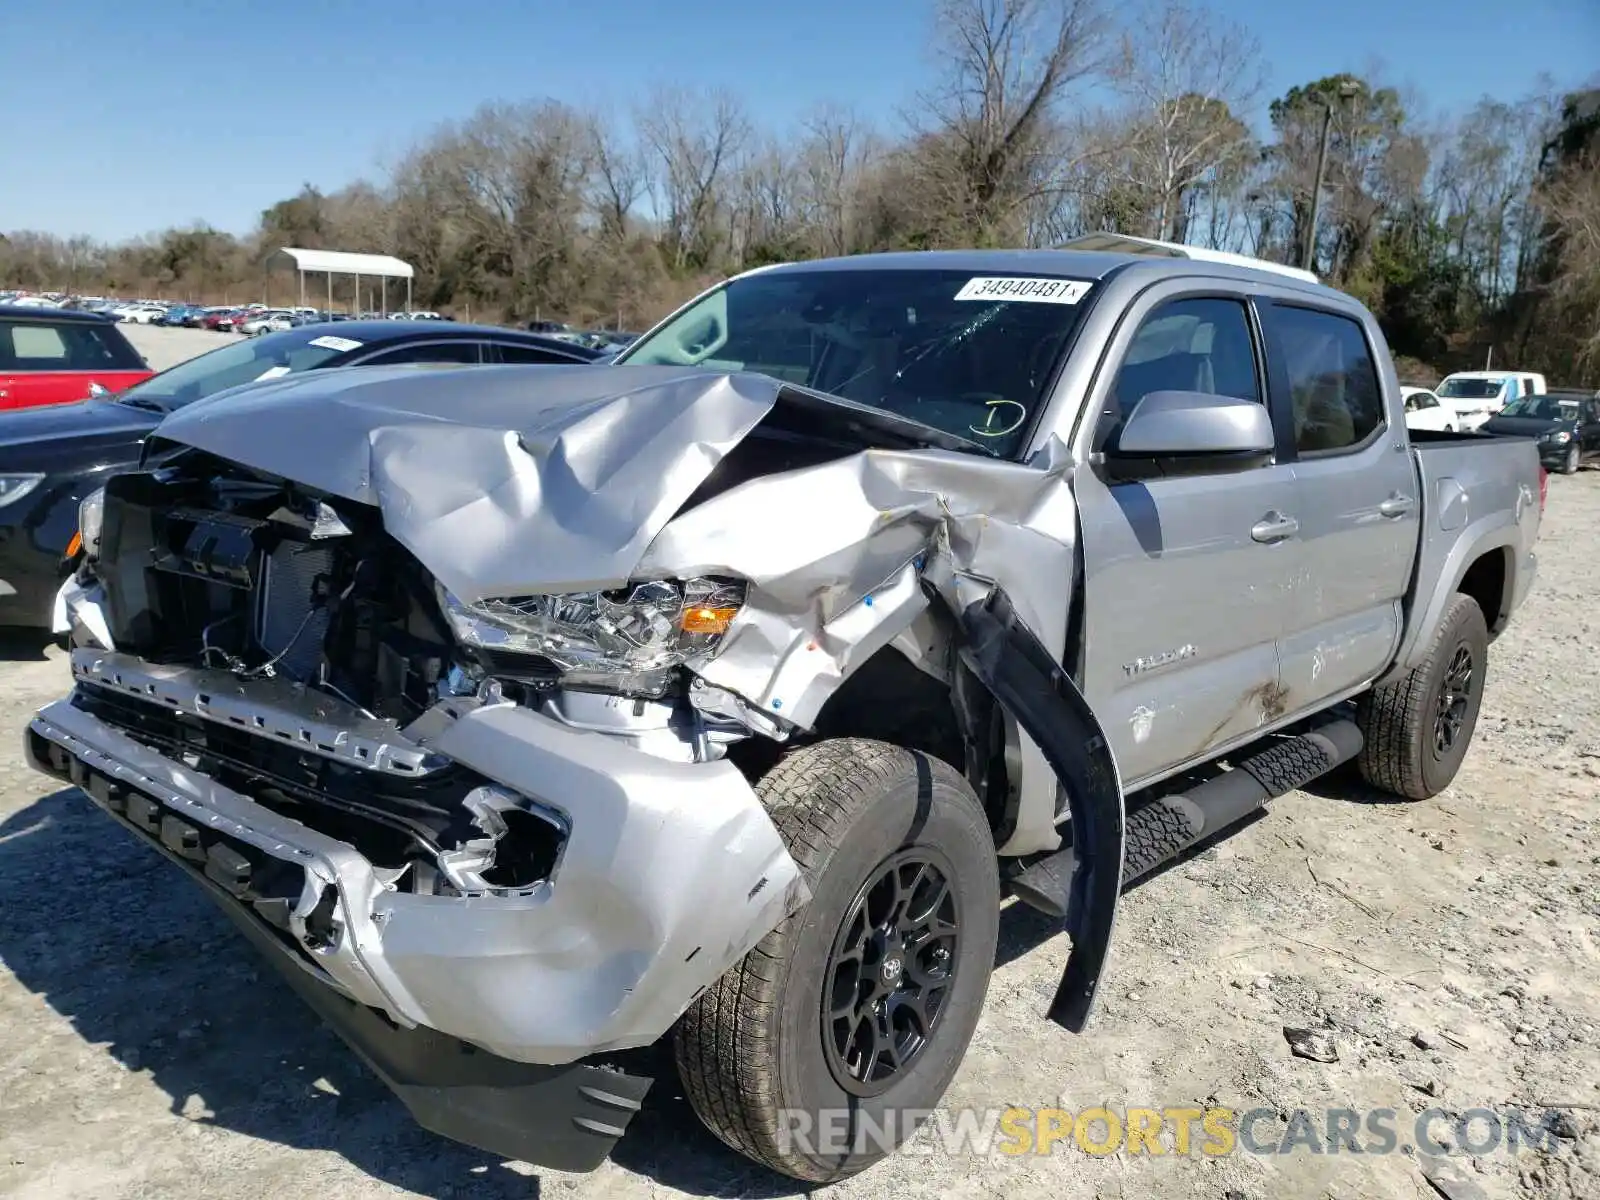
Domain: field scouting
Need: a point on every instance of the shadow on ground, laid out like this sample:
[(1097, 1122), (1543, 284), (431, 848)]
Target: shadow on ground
[(24, 645), (140, 960)]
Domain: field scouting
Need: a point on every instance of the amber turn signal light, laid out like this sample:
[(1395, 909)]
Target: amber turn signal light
[(702, 619)]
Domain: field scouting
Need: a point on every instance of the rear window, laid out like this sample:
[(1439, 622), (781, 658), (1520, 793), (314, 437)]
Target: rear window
[(65, 346)]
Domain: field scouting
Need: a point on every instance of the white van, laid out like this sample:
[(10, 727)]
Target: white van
[(1478, 395)]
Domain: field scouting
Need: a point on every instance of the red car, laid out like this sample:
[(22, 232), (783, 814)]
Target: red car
[(222, 318), (58, 356)]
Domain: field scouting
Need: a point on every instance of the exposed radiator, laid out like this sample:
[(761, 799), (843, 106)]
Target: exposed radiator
[(288, 623)]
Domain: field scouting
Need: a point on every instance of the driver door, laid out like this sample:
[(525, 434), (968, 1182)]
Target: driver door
[(1187, 577)]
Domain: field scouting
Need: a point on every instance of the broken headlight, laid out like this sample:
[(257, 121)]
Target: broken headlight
[(627, 638)]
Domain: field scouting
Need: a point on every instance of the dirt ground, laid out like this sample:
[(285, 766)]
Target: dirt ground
[(1450, 950)]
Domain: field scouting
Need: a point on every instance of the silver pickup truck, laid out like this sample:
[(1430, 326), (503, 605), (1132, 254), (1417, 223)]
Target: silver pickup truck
[(525, 716)]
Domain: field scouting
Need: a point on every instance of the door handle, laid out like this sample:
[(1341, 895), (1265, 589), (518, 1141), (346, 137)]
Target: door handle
[(1274, 527), (1396, 505)]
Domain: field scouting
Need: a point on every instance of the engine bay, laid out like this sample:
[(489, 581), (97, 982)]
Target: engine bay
[(206, 565)]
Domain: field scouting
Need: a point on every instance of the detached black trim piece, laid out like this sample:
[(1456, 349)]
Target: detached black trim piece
[(1014, 665), (564, 1117)]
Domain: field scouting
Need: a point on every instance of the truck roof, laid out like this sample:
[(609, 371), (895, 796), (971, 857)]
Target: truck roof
[(1122, 243), (1073, 261)]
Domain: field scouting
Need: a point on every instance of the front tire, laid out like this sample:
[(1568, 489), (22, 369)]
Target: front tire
[(1417, 729), (1569, 465), (813, 1053)]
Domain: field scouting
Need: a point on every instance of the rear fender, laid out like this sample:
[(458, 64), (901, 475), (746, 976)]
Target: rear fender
[(1040, 696)]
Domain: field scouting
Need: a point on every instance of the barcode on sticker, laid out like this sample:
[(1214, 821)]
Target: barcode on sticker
[(1040, 291)]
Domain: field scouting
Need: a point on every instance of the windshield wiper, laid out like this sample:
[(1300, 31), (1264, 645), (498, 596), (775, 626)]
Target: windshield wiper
[(144, 403)]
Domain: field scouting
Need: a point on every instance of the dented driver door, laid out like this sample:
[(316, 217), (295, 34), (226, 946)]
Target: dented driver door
[(1188, 578)]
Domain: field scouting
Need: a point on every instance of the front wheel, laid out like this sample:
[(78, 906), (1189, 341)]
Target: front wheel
[(1569, 465), (819, 1053), (1417, 729)]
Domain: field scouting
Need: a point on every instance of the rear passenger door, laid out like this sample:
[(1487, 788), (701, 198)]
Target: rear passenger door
[(1354, 496), (1187, 576)]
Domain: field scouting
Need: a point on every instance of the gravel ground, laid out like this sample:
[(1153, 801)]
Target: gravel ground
[(1449, 950), (163, 348)]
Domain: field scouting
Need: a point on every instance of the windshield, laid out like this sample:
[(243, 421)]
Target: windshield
[(266, 357), (1471, 389), (970, 356), (1546, 408)]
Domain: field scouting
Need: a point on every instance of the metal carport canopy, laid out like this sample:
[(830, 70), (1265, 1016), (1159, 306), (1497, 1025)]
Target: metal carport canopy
[(344, 262)]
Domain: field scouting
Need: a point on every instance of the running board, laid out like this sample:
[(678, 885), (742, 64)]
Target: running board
[(1164, 828)]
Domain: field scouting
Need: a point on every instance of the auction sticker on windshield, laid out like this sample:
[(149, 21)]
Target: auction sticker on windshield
[(1039, 291), (328, 342)]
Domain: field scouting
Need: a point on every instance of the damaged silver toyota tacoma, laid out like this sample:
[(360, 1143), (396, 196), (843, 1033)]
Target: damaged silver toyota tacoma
[(526, 716)]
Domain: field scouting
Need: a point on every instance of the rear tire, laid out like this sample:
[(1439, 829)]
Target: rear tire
[(1417, 729), (1569, 465), (856, 1011)]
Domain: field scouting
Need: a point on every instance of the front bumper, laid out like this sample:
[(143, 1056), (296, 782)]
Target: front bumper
[(670, 872), (566, 1117)]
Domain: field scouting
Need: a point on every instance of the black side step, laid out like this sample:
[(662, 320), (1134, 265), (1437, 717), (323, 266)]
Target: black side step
[(1166, 827)]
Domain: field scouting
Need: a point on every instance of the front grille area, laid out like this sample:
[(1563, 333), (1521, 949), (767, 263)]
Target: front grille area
[(394, 822), (266, 886), (390, 820)]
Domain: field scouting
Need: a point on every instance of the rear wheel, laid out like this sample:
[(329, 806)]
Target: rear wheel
[(820, 1051), (1418, 728)]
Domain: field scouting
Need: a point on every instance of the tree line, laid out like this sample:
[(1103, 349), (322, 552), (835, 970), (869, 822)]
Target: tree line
[(1468, 236)]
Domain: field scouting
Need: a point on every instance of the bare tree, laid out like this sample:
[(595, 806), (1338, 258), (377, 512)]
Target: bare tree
[(991, 147), (832, 157), (621, 176), (695, 141), (1189, 76)]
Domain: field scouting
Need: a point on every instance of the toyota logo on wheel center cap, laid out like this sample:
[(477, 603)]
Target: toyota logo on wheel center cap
[(892, 968)]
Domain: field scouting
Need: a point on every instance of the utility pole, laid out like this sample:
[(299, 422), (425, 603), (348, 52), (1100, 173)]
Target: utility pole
[(1348, 90), (1309, 253)]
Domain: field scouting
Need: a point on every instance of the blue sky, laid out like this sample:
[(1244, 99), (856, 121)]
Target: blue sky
[(125, 117)]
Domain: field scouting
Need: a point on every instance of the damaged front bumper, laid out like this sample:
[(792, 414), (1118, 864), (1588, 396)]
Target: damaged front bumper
[(669, 873)]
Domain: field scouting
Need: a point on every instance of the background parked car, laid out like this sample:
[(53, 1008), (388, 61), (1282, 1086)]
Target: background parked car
[(1478, 395), (272, 321), (1565, 423), (56, 356), (1423, 411), (61, 454)]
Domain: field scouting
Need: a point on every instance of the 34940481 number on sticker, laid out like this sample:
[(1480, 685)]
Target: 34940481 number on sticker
[(1039, 291)]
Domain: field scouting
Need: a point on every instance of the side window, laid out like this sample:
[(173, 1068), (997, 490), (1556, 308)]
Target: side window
[(460, 352), (38, 348), (1194, 345), (530, 354), (1334, 392)]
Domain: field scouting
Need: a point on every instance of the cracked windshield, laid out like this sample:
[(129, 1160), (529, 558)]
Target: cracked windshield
[(968, 354)]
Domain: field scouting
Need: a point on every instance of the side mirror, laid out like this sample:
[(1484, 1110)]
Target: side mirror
[(1175, 433)]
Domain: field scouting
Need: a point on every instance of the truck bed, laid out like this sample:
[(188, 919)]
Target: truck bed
[(1482, 499)]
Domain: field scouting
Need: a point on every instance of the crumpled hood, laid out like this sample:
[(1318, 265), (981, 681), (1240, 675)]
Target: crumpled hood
[(501, 480)]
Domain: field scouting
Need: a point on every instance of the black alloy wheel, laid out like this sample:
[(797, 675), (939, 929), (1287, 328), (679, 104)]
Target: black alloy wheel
[(890, 971)]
